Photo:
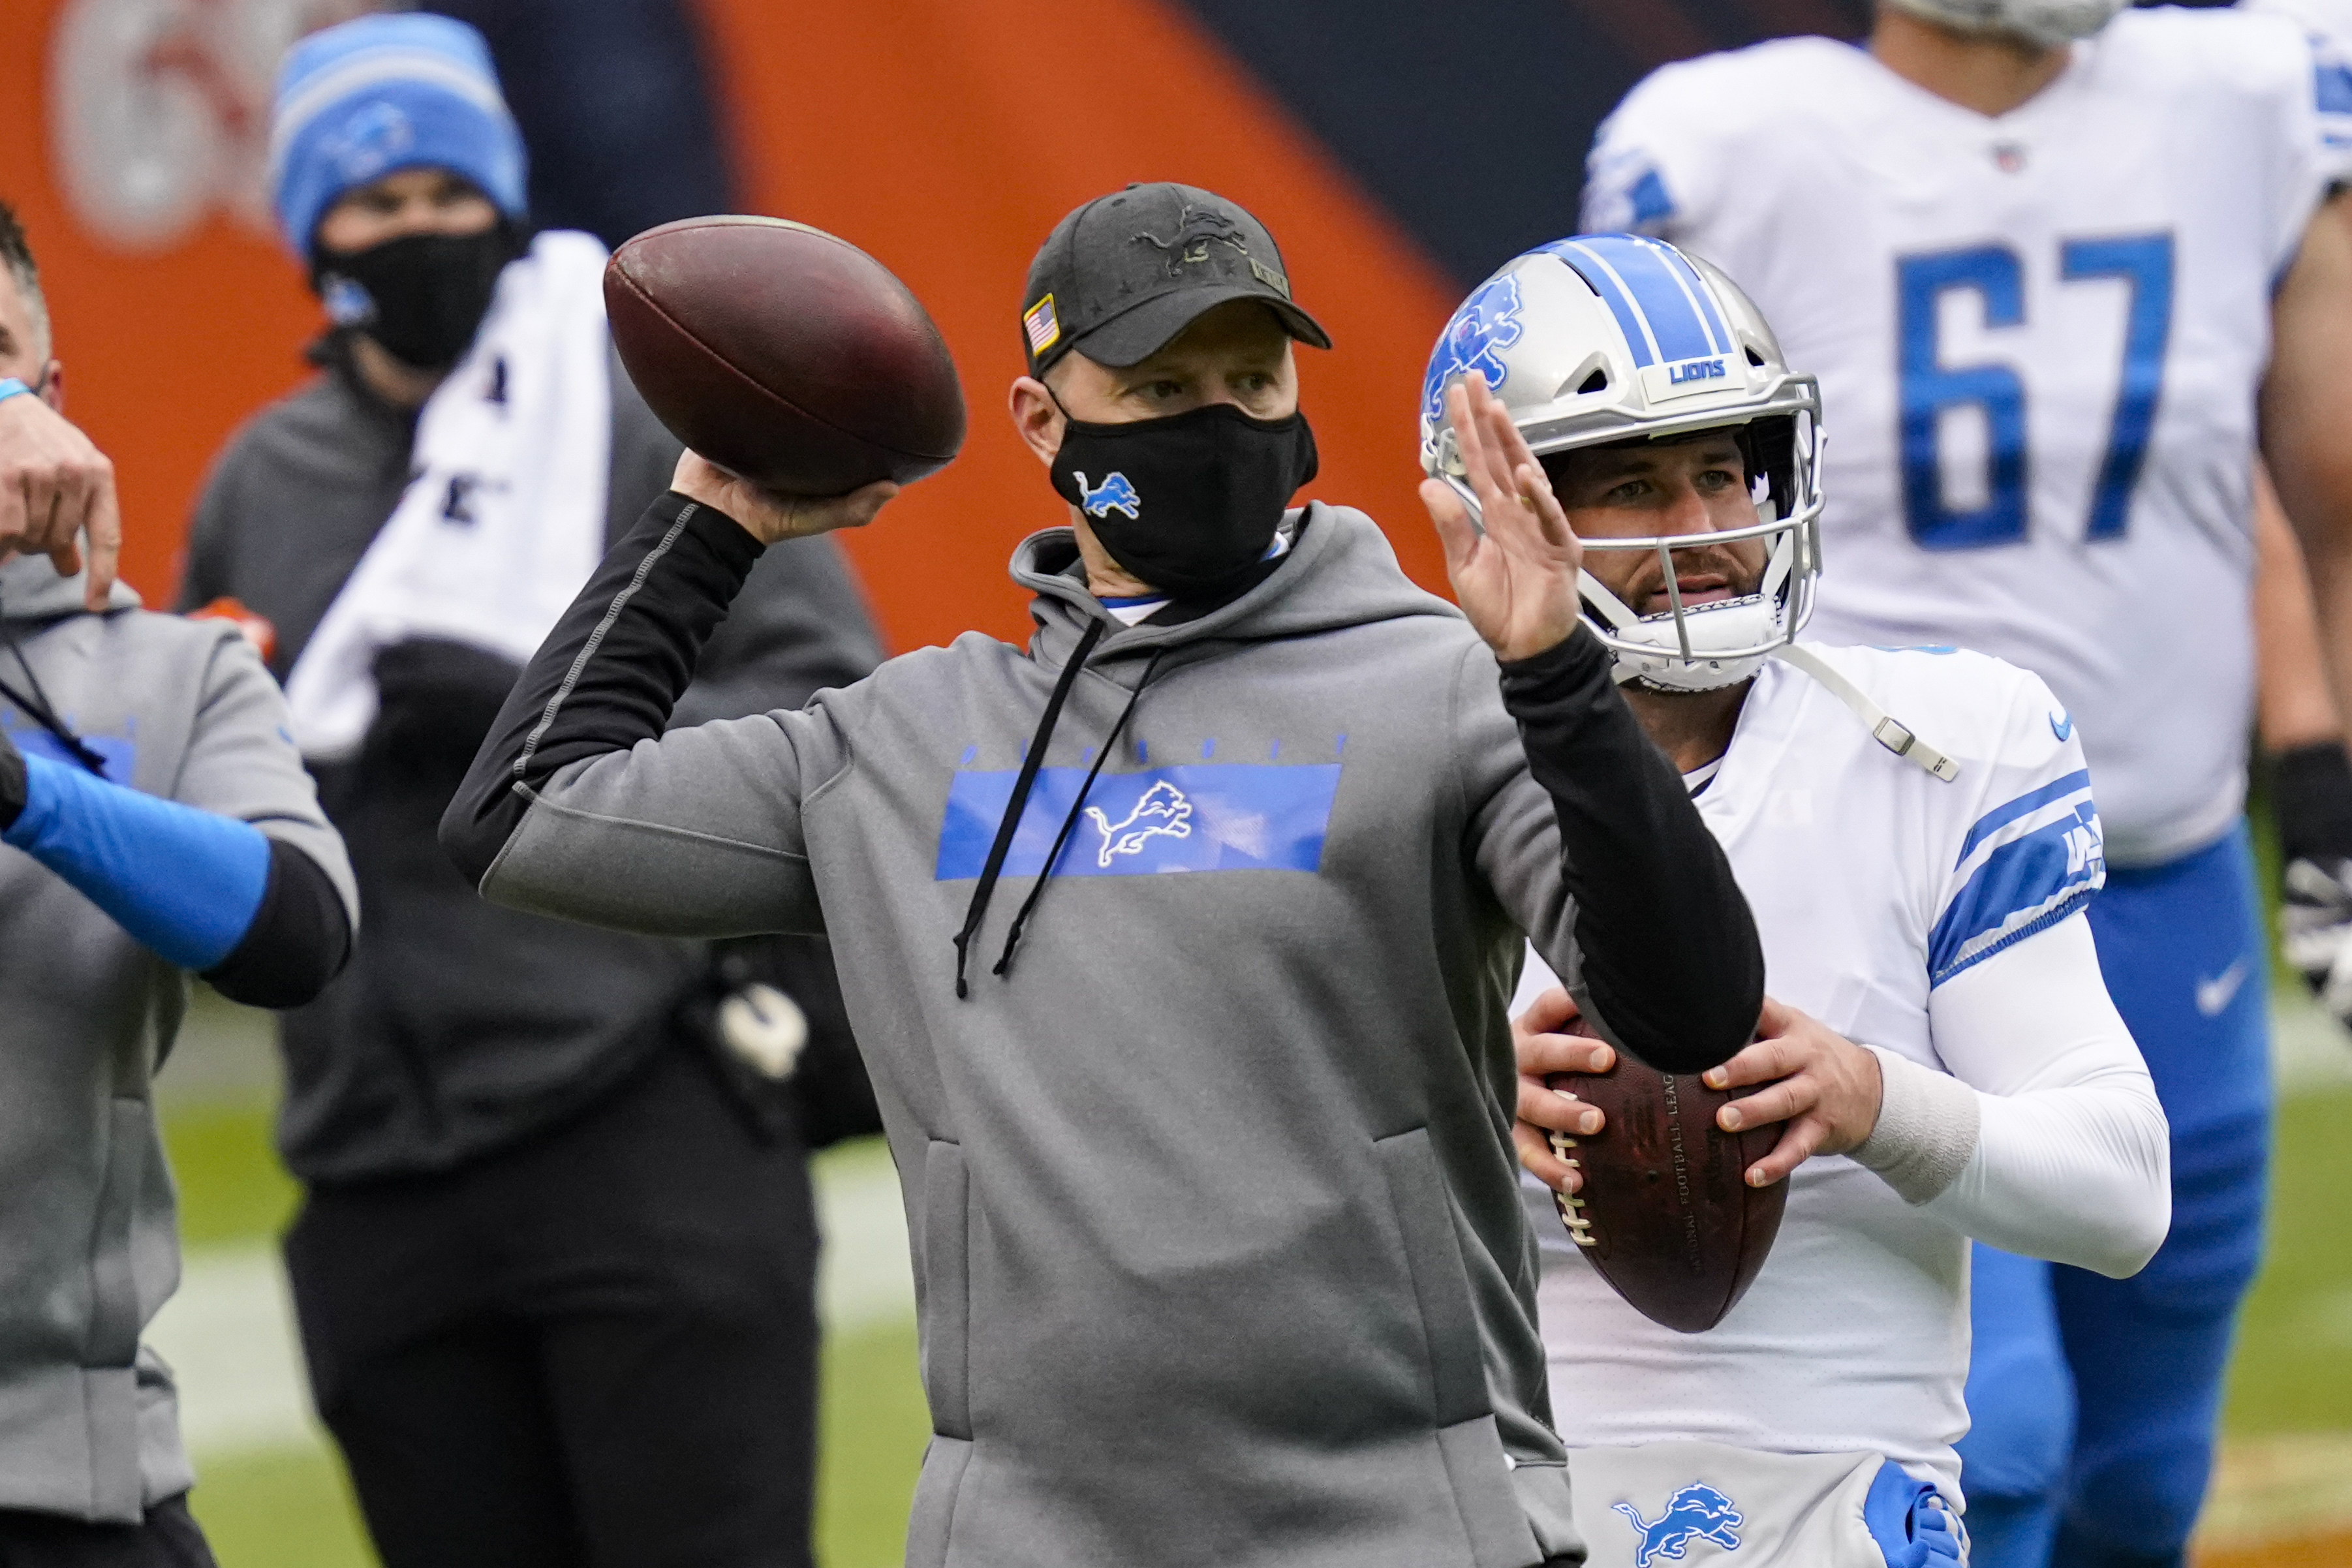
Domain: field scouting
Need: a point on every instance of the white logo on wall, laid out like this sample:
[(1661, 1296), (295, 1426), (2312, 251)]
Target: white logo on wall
[(159, 109)]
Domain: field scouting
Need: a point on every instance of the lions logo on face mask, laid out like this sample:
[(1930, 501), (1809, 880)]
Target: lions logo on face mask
[(1113, 494), (1488, 320)]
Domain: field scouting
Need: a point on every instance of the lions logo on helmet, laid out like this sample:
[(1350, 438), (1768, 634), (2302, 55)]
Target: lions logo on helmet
[(1617, 337), (1488, 320)]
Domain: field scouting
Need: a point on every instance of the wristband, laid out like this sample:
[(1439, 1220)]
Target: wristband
[(11, 387)]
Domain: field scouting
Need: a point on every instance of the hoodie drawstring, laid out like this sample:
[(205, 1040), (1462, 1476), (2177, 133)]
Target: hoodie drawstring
[(1053, 855), (978, 909)]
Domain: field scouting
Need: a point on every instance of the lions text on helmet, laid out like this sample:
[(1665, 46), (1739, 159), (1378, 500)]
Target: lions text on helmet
[(1635, 372)]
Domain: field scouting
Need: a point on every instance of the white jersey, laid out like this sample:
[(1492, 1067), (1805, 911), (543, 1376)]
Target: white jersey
[(1873, 885), (2039, 338)]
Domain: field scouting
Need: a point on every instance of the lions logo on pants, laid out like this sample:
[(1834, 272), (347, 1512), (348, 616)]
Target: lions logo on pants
[(1697, 1512)]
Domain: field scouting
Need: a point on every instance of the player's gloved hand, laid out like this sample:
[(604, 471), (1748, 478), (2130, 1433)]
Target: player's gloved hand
[(1824, 1086), (2311, 796), (1543, 1111)]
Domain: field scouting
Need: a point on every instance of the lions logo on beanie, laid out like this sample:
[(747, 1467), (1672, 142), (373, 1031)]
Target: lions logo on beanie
[(381, 94)]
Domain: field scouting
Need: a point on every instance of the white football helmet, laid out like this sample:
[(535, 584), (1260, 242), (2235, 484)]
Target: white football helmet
[(2048, 23), (1603, 339)]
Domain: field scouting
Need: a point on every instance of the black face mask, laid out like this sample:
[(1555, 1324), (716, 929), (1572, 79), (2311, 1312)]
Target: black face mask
[(1188, 503), (420, 295)]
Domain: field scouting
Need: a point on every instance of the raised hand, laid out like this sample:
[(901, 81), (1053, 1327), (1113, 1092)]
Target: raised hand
[(1515, 578), (769, 517), (57, 489)]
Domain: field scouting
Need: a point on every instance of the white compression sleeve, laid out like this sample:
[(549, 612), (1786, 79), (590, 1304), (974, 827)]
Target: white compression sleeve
[(2072, 1158)]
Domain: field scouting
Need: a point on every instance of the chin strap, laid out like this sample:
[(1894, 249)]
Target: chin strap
[(1884, 728)]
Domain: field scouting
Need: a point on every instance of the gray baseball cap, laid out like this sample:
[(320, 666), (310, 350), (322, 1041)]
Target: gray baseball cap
[(1124, 273)]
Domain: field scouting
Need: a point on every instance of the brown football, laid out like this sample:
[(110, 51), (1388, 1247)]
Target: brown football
[(1665, 1213), (783, 354)]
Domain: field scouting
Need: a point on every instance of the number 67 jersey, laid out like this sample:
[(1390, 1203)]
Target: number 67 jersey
[(2039, 338)]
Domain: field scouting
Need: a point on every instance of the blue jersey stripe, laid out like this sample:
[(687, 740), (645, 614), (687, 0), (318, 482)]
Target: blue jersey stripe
[(2018, 889), (2000, 817)]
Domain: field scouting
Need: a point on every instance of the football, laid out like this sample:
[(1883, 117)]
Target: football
[(1665, 1213), (783, 354)]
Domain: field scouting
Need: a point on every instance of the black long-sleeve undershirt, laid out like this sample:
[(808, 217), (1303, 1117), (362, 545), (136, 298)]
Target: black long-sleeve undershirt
[(300, 940), (1672, 961)]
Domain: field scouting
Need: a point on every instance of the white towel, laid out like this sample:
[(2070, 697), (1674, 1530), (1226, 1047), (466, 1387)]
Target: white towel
[(504, 518)]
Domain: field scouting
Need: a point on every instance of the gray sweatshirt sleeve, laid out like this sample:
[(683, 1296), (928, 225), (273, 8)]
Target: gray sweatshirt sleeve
[(241, 762), (580, 807)]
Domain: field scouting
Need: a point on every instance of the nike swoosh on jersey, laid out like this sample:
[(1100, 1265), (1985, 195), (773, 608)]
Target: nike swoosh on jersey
[(2214, 995), (2062, 725)]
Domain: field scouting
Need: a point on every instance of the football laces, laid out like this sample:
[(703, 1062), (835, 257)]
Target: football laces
[(1572, 1209)]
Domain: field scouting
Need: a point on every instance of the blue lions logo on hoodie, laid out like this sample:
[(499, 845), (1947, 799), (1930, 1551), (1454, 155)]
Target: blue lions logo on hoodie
[(1697, 1512), (1115, 494), (1488, 320)]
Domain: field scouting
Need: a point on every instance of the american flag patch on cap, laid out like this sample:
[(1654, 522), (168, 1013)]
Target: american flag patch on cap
[(1039, 322)]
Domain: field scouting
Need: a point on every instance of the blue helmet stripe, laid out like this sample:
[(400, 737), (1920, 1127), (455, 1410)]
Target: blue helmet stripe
[(1642, 283), (1694, 289), (1605, 282)]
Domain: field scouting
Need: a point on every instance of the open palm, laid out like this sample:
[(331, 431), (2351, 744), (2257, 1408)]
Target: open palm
[(1514, 577)]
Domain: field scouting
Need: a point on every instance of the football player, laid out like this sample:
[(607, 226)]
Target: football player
[(1914, 831), (2058, 270)]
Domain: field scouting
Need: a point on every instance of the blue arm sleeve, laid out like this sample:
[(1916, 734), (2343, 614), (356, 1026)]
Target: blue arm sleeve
[(187, 882)]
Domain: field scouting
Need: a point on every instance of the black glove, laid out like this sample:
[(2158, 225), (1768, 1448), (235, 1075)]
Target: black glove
[(2310, 792), (12, 782)]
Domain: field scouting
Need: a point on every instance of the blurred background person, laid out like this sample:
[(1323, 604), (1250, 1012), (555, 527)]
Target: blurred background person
[(157, 824), (554, 1265), (616, 105)]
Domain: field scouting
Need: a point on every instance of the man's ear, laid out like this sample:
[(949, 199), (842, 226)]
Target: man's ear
[(1037, 417), (53, 386)]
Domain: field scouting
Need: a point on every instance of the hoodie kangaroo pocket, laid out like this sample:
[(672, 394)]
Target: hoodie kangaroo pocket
[(114, 1338), (947, 1289), (1469, 1444), (1440, 1287)]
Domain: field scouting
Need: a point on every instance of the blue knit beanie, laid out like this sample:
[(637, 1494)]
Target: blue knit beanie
[(382, 94)]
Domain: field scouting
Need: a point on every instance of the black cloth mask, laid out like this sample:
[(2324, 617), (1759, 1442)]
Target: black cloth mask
[(1188, 503), (420, 295)]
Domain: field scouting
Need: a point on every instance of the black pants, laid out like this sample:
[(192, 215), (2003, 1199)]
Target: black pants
[(166, 1537), (596, 1349)]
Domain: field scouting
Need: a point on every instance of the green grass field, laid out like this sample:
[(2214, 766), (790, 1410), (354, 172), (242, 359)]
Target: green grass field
[(288, 1507)]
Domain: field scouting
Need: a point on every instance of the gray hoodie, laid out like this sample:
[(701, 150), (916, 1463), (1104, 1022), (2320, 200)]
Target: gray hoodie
[(89, 1248), (1211, 1195)]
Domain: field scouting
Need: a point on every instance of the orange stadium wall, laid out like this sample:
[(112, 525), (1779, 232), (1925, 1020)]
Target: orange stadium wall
[(921, 129)]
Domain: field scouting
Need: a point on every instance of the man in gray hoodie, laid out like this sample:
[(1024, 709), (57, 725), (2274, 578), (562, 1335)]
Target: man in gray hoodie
[(156, 822), (1205, 1149)]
